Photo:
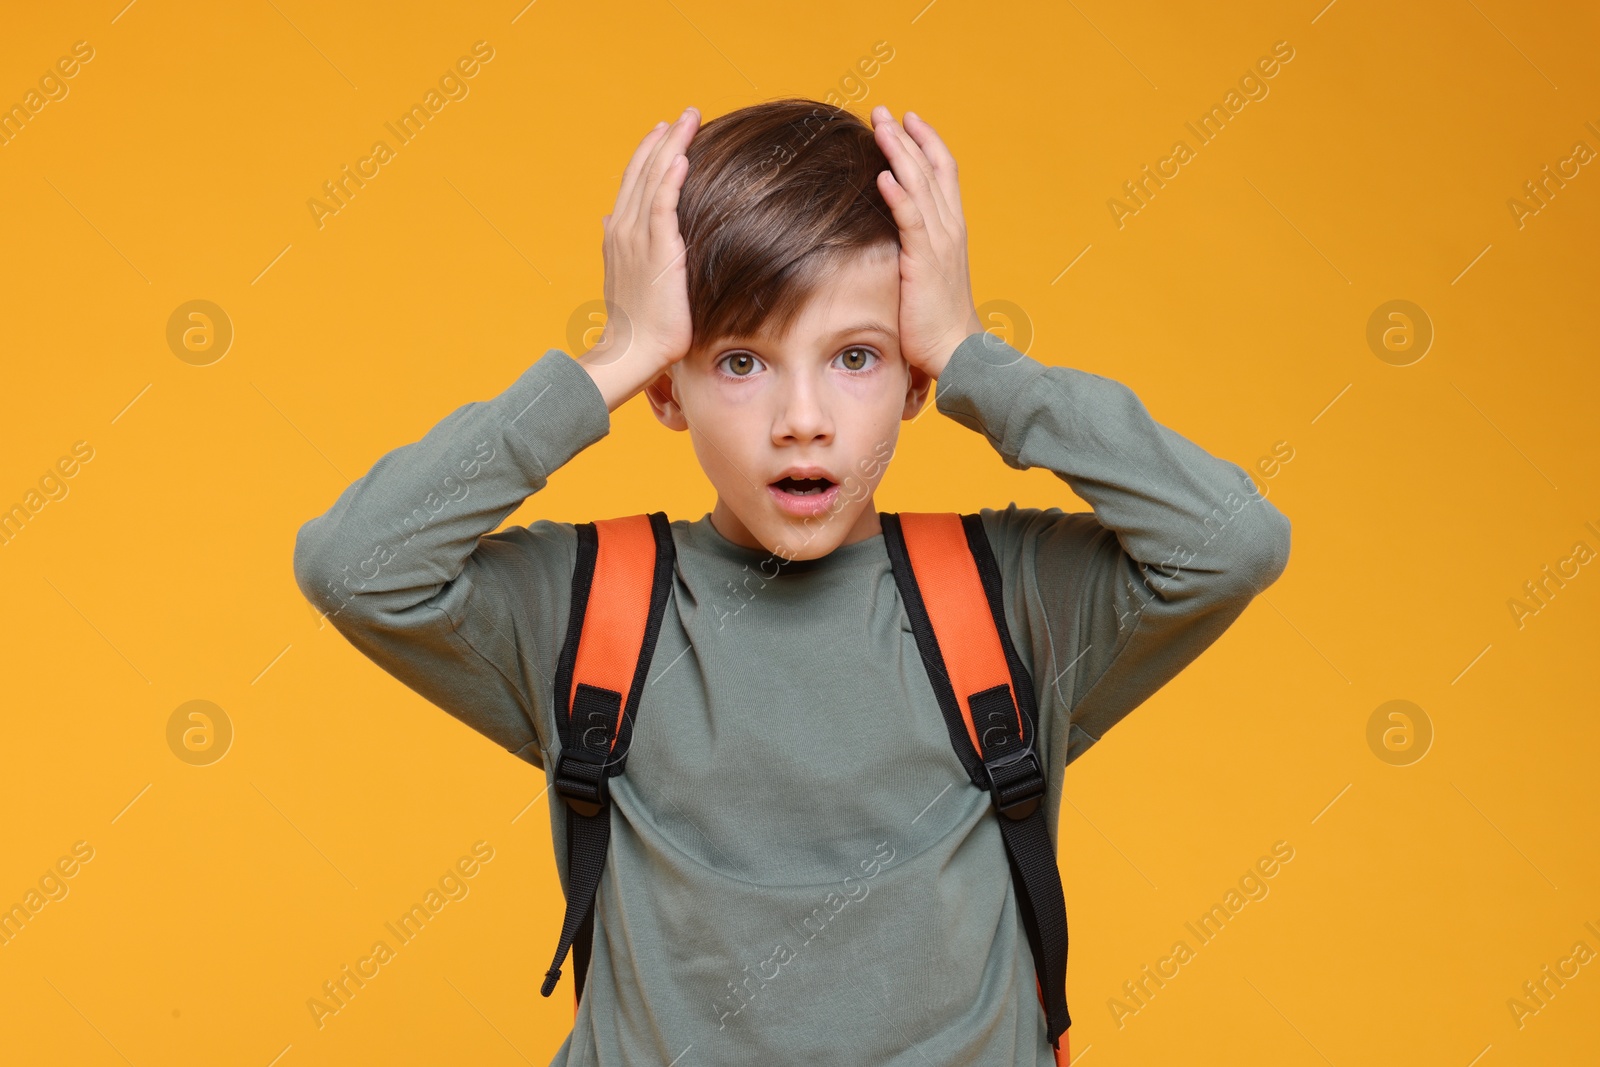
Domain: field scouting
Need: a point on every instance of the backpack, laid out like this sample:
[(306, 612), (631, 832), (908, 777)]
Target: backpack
[(949, 582)]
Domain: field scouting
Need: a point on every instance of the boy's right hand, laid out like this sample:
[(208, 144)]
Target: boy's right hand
[(646, 282)]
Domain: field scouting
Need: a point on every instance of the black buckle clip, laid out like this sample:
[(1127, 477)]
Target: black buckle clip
[(582, 783), (1017, 785)]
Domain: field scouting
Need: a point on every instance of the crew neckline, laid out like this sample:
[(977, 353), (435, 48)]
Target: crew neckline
[(701, 533)]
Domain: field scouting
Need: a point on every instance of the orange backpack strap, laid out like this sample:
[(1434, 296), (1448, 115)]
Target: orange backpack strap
[(620, 584), (950, 583)]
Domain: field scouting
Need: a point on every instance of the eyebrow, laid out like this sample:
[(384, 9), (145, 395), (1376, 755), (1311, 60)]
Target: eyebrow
[(866, 326)]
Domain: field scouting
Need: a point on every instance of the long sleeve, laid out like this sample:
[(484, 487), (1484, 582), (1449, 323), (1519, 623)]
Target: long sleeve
[(405, 566), (1115, 603)]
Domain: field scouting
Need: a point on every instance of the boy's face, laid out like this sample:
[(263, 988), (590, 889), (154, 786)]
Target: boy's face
[(795, 432)]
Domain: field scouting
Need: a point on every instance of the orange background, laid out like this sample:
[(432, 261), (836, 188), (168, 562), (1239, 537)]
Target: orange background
[(219, 898)]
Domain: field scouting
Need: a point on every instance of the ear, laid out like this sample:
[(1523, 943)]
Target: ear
[(918, 385), (663, 396)]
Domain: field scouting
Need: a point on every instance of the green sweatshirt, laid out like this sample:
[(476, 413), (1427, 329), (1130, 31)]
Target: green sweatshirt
[(800, 871)]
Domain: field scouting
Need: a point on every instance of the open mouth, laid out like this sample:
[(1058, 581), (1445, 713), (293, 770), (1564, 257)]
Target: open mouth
[(802, 486), (804, 497)]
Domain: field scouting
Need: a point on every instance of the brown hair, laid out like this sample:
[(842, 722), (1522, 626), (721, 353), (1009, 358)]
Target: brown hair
[(777, 194)]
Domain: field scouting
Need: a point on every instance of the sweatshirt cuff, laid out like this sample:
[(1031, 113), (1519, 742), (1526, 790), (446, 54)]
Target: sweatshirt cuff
[(981, 385), (555, 411)]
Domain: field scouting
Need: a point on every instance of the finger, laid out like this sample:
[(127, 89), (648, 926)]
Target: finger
[(908, 217), (916, 242), (933, 190), (630, 174), (677, 138), (628, 210), (912, 170), (944, 163), (679, 134), (664, 204), (905, 138), (629, 213)]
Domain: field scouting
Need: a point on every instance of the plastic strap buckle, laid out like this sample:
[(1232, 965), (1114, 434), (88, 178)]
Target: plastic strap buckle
[(1017, 784), (582, 783), (585, 760)]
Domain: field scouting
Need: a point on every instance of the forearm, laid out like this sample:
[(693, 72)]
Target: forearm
[(1110, 606), (1191, 521), (400, 533)]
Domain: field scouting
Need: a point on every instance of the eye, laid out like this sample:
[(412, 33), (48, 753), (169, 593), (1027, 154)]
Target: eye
[(739, 364), (858, 357)]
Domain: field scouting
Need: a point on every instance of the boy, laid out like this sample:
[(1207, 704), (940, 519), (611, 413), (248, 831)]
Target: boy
[(799, 869)]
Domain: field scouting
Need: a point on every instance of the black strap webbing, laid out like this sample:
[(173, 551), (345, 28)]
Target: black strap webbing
[(588, 757), (581, 776), (1044, 911), (1008, 768)]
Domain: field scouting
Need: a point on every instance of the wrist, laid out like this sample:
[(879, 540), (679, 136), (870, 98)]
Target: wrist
[(946, 349), (620, 374)]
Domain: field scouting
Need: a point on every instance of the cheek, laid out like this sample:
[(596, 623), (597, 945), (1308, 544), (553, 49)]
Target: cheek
[(727, 428), (721, 447), (870, 435), (876, 403)]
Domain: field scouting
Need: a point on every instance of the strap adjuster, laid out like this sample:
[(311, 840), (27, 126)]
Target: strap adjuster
[(1017, 784), (582, 783)]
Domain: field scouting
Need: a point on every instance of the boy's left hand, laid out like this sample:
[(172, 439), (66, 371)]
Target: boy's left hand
[(936, 309)]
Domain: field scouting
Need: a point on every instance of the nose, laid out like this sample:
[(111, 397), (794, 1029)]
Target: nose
[(803, 415)]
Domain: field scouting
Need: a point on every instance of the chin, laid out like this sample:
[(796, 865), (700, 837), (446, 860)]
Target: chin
[(804, 544), (799, 539), (802, 531)]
